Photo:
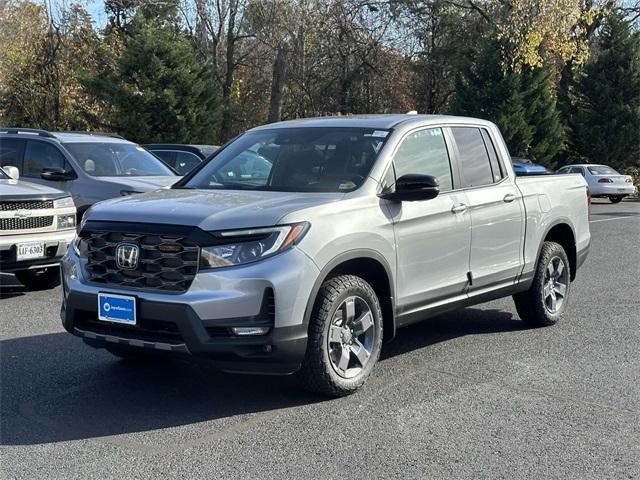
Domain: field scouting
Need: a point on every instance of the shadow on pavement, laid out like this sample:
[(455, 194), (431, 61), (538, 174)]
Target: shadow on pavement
[(468, 321), (54, 388), (10, 286)]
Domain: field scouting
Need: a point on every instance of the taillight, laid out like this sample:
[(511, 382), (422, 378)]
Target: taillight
[(605, 180), (628, 180)]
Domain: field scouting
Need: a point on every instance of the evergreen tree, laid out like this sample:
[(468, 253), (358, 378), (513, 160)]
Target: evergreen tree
[(606, 120), (521, 103), (159, 91), (542, 115)]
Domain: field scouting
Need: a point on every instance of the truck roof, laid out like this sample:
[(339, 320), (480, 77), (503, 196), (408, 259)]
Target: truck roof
[(385, 121)]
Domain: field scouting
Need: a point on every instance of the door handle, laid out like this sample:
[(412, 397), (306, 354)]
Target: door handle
[(459, 208), (509, 197)]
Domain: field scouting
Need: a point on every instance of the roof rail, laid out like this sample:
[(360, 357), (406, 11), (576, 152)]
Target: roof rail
[(102, 134), (30, 131)]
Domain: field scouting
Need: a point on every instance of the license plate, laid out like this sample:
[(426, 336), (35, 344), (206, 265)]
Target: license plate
[(621, 190), (117, 308), (26, 251)]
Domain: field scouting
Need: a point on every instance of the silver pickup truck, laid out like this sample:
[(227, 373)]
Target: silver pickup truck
[(300, 246), (37, 224)]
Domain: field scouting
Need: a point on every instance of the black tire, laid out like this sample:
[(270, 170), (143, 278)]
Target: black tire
[(532, 306), (616, 199), (40, 278), (318, 374)]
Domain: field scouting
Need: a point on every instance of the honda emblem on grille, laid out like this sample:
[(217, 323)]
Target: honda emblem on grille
[(127, 255)]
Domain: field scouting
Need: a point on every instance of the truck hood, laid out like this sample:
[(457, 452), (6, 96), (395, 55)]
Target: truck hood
[(18, 189), (141, 184), (208, 209)]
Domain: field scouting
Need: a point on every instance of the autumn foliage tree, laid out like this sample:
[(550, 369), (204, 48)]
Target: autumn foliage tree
[(205, 70)]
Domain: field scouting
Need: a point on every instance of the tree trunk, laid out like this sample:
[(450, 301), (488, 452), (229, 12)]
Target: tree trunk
[(225, 128), (277, 86)]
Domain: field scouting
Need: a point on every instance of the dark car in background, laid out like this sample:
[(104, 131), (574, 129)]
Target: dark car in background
[(182, 158), (524, 166)]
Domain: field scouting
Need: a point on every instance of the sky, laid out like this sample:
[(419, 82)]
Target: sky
[(94, 7)]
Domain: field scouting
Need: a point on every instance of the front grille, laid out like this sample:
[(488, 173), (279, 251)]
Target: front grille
[(171, 270), (25, 223), (26, 205)]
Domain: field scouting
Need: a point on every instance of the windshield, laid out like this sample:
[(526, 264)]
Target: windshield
[(117, 160), (602, 170), (307, 159)]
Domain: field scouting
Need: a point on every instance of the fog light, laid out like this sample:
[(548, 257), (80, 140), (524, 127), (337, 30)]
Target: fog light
[(245, 331)]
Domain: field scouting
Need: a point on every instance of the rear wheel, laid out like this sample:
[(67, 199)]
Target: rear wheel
[(39, 278), (546, 300), (615, 198), (345, 337)]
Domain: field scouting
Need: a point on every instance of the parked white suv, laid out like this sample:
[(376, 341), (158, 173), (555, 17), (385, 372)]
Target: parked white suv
[(37, 224)]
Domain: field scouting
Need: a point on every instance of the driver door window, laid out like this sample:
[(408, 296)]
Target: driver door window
[(425, 152), (40, 155)]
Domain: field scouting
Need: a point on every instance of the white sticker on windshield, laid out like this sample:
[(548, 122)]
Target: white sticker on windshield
[(380, 134)]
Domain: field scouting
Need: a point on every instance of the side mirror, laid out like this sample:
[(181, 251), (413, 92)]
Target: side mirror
[(56, 174), (414, 187), (13, 172)]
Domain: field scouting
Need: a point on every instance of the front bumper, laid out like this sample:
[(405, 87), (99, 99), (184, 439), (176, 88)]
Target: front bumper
[(273, 293), (56, 244)]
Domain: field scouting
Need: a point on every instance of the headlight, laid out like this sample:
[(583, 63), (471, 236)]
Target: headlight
[(63, 203), (66, 221), (246, 246)]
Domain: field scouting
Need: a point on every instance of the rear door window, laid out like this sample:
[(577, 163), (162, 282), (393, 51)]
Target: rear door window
[(474, 160), (496, 168), (185, 162), (166, 156)]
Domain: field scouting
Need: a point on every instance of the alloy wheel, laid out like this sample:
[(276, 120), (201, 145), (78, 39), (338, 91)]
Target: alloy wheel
[(351, 337), (554, 290)]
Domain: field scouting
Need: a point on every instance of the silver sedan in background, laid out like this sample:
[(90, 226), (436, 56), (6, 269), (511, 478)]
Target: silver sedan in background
[(603, 181)]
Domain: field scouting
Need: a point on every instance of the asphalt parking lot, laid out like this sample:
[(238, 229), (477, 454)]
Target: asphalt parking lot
[(471, 394)]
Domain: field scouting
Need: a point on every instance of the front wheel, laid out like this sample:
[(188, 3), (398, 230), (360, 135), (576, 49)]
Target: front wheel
[(546, 300), (40, 278), (616, 198), (345, 337)]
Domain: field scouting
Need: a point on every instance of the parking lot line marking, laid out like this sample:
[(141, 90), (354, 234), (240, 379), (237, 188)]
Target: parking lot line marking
[(612, 218)]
